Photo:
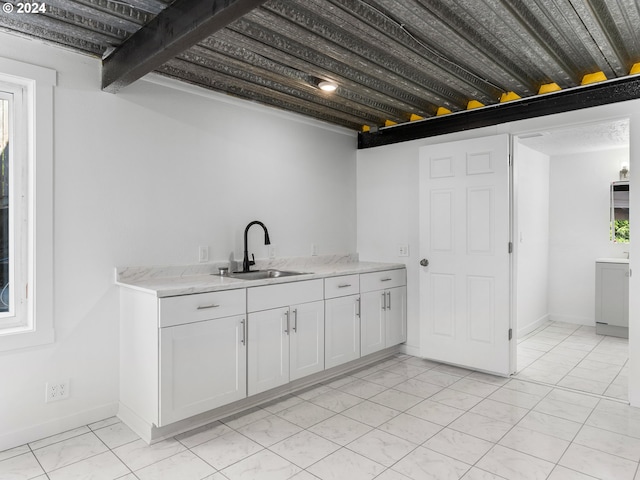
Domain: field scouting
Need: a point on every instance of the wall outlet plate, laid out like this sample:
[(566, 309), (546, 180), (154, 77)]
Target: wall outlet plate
[(272, 251), (55, 391), (403, 250), (203, 254), (314, 249)]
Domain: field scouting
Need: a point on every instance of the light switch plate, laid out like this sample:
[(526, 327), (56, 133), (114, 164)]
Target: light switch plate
[(403, 250)]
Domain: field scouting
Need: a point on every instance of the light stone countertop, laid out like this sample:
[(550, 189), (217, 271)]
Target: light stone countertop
[(612, 260), (186, 280)]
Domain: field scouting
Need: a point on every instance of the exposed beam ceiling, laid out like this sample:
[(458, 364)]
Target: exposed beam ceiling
[(176, 28), (394, 61)]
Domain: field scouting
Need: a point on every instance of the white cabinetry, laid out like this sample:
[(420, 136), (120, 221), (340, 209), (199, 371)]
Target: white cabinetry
[(342, 319), (612, 298), (285, 333), (383, 316), (183, 355)]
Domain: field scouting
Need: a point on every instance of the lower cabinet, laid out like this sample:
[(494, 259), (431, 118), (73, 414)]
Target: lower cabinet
[(342, 330), (202, 367), (383, 316), (284, 344)]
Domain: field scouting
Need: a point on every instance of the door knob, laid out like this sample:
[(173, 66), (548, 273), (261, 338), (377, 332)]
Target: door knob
[(424, 262)]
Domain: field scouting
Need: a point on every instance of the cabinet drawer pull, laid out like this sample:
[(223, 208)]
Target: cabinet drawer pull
[(205, 307), (244, 332), (384, 300), (358, 303), (344, 285), (286, 314), (386, 279), (389, 300), (295, 319)]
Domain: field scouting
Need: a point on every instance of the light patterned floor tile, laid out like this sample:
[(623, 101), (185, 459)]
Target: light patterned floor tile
[(456, 399), (516, 398), (435, 412), (550, 425), (481, 426), (477, 474), (305, 414), (458, 445), (76, 432), (14, 452), (264, 465), (69, 451), (340, 429), (269, 430), (370, 413), (304, 448), (20, 467), (138, 454), (425, 464), (599, 464), (362, 388), (418, 388), (500, 411), (345, 464), (104, 466), (609, 442), (116, 435), (381, 447), (562, 473), (336, 400), (534, 443), (226, 449), (411, 428), (202, 434), (514, 465), (396, 399)]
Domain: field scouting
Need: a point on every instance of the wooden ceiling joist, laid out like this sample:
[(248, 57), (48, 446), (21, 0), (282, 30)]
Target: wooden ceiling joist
[(181, 25)]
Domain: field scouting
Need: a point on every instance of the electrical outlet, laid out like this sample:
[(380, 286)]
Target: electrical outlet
[(55, 391), (403, 250), (314, 249), (272, 251), (203, 254)]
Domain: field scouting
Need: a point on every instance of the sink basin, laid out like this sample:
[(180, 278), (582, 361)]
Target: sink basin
[(263, 274)]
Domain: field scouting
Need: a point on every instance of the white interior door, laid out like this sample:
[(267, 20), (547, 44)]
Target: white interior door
[(464, 236)]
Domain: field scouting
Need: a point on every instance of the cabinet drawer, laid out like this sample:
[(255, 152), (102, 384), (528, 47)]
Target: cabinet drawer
[(283, 294), (341, 286), (382, 280), (201, 306)]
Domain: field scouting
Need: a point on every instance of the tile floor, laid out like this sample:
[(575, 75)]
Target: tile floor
[(573, 356), (400, 419)]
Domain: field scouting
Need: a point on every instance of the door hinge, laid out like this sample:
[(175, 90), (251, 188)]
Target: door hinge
[(510, 247), (510, 333)]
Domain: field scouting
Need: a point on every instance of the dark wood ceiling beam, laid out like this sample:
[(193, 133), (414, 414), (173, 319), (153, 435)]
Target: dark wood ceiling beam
[(181, 25), (597, 94)]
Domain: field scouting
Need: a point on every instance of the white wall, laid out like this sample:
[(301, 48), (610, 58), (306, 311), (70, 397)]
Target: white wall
[(531, 178), (144, 177), (579, 230)]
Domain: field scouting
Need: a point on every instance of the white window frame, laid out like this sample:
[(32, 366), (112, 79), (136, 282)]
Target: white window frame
[(33, 156)]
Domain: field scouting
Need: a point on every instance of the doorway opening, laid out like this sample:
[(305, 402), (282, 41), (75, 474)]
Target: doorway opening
[(562, 204)]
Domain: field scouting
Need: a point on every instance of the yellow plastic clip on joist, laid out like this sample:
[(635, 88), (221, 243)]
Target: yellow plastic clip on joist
[(388, 123), (474, 104), (366, 128), (414, 117), (593, 78), (635, 69), (509, 96), (548, 88), (442, 111)]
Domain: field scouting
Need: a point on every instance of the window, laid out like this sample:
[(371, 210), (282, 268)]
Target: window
[(620, 212), (26, 160)]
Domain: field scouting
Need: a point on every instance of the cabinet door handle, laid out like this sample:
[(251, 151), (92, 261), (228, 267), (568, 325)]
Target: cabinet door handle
[(295, 319), (204, 307), (389, 301), (244, 332), (344, 285), (286, 314), (358, 310), (386, 279), (384, 300)]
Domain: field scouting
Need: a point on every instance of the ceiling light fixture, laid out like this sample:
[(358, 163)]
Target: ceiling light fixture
[(327, 86)]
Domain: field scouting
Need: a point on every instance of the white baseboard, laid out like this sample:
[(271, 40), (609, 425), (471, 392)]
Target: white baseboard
[(527, 329), (55, 426), (412, 350), (556, 317)]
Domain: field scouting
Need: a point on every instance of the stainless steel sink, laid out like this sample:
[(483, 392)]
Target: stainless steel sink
[(263, 274)]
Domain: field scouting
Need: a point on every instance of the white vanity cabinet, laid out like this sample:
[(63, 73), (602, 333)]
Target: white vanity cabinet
[(182, 355), (612, 297), (342, 319), (285, 333), (383, 315)]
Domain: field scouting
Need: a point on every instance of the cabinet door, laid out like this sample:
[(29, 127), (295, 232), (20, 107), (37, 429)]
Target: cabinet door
[(342, 330), (268, 349), (612, 294), (191, 356), (396, 316), (372, 323), (306, 339)]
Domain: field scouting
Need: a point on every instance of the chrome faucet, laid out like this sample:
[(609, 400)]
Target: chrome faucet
[(246, 263)]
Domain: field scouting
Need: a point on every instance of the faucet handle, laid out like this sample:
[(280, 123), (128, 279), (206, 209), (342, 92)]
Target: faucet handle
[(253, 260)]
